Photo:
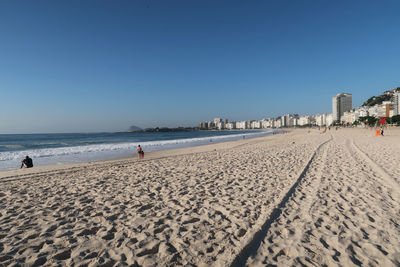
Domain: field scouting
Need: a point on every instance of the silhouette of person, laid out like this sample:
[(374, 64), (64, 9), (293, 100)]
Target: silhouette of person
[(140, 152), (27, 162)]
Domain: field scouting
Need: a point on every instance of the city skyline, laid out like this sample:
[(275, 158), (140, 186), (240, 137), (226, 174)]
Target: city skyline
[(342, 113), (81, 67)]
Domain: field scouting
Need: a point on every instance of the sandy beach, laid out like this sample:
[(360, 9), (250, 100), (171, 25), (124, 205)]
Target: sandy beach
[(303, 198)]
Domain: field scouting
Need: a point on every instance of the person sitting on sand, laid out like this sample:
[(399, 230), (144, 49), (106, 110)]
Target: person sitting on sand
[(140, 152), (27, 162)]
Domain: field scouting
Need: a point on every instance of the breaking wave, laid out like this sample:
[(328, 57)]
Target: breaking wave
[(107, 151)]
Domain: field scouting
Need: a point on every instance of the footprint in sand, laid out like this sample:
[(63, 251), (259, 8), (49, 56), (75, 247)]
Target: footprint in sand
[(193, 220), (63, 255)]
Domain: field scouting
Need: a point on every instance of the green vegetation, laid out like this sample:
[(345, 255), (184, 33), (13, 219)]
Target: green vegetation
[(387, 96), (372, 101), (373, 121), (368, 120), (395, 119)]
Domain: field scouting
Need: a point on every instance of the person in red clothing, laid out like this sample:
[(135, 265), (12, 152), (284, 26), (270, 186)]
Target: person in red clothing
[(140, 152)]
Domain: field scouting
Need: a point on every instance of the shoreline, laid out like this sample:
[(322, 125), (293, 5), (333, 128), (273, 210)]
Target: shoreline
[(114, 151), (148, 156)]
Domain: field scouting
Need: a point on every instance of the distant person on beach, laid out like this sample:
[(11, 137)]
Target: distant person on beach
[(140, 152), (382, 131), (27, 162)]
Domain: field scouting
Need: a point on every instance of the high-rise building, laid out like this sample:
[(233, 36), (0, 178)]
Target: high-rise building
[(396, 103), (341, 103), (320, 119), (203, 125), (278, 123), (283, 121), (386, 106), (216, 120), (289, 120)]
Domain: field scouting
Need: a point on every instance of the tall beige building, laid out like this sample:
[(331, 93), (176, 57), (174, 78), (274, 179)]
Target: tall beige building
[(340, 104)]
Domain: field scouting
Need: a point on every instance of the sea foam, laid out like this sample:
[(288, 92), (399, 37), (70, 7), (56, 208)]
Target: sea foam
[(45, 156)]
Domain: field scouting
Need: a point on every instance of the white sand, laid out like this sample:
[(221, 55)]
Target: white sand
[(298, 198)]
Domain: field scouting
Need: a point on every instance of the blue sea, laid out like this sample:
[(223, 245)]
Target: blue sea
[(49, 149)]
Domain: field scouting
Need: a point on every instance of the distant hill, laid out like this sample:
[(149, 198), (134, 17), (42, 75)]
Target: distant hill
[(386, 96), (134, 128)]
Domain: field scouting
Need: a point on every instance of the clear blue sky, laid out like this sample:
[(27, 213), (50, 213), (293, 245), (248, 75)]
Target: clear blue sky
[(84, 66)]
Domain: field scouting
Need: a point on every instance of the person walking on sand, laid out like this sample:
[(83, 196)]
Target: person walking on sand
[(140, 152), (27, 162), (381, 131)]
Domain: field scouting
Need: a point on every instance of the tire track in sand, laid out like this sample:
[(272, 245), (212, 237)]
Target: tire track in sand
[(252, 247), (342, 214), (375, 167)]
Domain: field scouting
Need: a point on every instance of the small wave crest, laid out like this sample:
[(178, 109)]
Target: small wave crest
[(76, 151), (12, 146)]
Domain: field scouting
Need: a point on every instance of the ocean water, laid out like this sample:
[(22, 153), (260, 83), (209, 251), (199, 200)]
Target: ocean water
[(49, 149)]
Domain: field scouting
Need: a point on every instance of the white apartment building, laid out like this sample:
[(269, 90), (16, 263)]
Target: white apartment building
[(349, 117), (241, 125), (361, 111), (329, 119), (373, 111), (304, 120), (283, 121), (278, 123), (312, 120), (220, 125), (383, 110), (216, 120), (255, 125), (396, 103), (265, 124), (272, 123), (289, 121), (230, 125), (320, 119), (340, 104)]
